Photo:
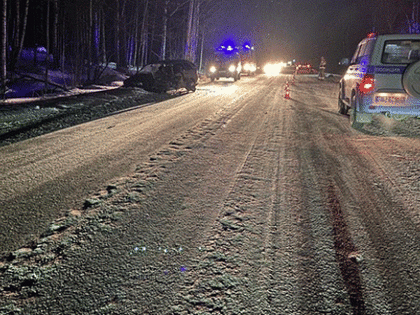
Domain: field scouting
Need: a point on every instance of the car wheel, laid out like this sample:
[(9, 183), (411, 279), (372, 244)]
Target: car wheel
[(342, 107), (191, 85), (358, 118), (212, 79), (411, 79), (354, 113), (353, 119)]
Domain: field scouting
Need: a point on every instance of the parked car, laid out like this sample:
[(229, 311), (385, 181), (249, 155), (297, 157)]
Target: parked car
[(383, 77), (305, 68), (165, 75)]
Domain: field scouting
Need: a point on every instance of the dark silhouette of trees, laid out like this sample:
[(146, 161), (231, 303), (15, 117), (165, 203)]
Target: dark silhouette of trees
[(3, 52), (82, 37)]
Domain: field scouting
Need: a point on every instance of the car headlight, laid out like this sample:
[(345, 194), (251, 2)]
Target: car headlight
[(213, 69), (232, 68), (249, 67)]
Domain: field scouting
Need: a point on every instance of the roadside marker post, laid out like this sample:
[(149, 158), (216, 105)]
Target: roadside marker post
[(287, 91)]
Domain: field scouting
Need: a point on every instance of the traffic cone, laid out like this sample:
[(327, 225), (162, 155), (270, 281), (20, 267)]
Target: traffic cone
[(293, 79), (287, 91)]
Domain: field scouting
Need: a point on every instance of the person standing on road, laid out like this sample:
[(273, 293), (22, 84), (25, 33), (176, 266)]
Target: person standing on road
[(322, 66)]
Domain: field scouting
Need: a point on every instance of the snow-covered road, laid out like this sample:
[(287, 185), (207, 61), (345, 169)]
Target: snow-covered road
[(230, 200)]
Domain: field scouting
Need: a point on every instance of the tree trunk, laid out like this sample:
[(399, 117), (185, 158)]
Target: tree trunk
[(96, 37), (144, 35), (90, 42), (165, 29), (136, 35), (17, 26), (123, 37), (3, 53), (55, 50), (194, 32), (152, 34), (200, 68), (19, 34), (103, 37), (47, 60), (117, 34), (188, 46)]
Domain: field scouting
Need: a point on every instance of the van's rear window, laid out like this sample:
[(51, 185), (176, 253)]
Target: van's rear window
[(401, 51)]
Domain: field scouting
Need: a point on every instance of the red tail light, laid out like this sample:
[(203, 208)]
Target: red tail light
[(368, 83)]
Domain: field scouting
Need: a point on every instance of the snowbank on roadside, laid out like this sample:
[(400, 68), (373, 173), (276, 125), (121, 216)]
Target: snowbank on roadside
[(30, 86), (62, 94)]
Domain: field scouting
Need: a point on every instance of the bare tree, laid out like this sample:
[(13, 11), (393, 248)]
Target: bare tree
[(189, 43), (55, 50), (168, 13), (165, 29), (47, 36), (81, 33), (136, 35), (143, 38), (18, 29), (3, 53)]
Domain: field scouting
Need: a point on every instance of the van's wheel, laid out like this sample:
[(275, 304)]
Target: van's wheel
[(342, 107), (353, 119), (354, 114)]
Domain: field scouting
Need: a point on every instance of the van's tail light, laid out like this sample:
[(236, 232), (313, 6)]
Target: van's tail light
[(368, 83)]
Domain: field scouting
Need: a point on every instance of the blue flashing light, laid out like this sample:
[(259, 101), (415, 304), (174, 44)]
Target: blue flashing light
[(247, 46), (227, 47)]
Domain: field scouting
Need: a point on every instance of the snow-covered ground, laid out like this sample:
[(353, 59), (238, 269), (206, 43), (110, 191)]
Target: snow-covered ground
[(28, 84)]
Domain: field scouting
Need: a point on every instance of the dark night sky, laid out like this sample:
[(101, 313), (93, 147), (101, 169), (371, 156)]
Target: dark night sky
[(296, 29)]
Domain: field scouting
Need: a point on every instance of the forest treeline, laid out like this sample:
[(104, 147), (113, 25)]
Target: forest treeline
[(83, 36)]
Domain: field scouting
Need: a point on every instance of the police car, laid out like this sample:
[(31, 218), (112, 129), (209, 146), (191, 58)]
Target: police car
[(383, 77)]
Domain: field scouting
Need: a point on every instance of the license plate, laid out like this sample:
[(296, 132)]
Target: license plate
[(390, 99)]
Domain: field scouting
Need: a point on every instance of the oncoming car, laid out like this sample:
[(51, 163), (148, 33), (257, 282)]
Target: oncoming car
[(249, 68), (165, 75), (383, 78), (225, 70)]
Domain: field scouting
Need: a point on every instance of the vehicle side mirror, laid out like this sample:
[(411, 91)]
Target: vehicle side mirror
[(344, 62)]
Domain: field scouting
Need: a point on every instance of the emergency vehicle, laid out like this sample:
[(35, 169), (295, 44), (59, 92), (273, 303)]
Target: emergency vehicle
[(383, 78), (226, 63)]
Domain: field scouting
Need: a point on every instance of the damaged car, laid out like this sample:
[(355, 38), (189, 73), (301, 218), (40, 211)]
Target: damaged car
[(167, 75)]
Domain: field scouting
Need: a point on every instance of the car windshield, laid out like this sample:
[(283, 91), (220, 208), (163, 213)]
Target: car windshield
[(401, 51)]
